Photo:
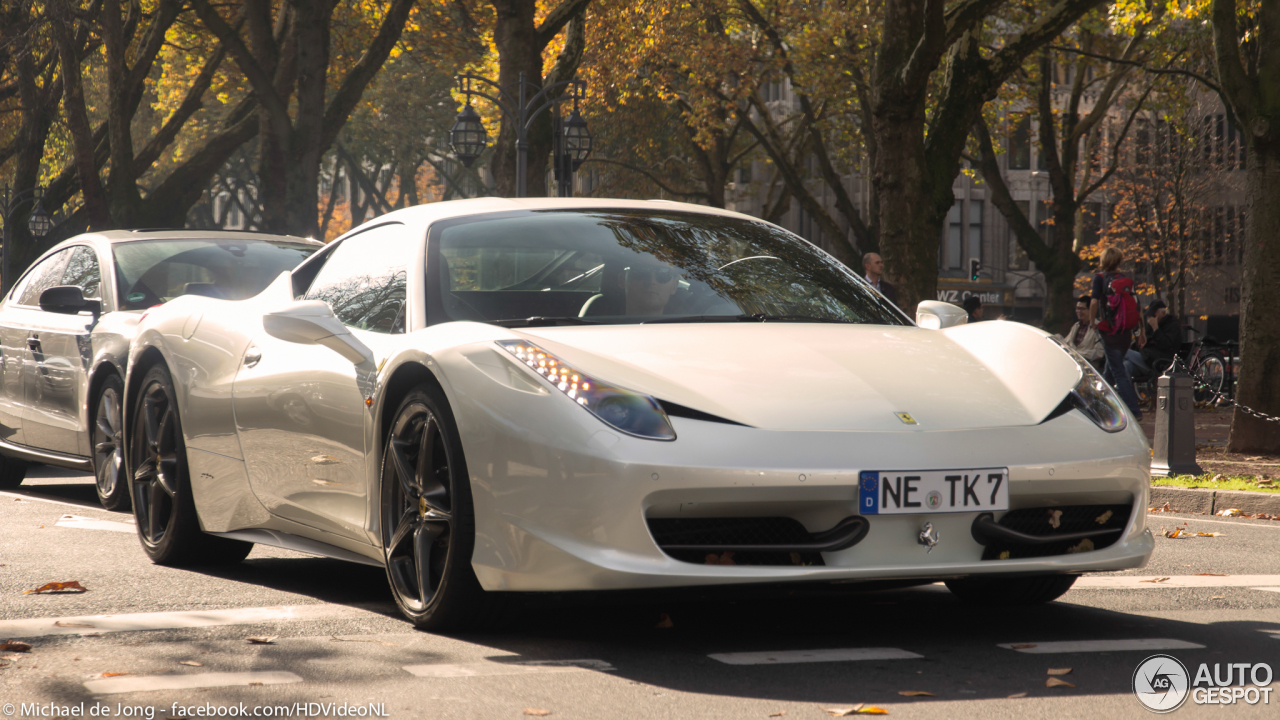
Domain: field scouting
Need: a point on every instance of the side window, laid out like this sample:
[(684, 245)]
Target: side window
[(42, 277), (364, 279), (82, 271)]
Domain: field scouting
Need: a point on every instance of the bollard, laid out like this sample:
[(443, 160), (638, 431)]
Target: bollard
[(1175, 441)]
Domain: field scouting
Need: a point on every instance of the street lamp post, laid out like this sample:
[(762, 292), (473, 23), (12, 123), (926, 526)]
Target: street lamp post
[(573, 142), (38, 221)]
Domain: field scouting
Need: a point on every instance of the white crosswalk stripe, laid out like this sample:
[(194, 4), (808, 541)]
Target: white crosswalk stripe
[(94, 624), (783, 657), (1150, 582), (1080, 646), (84, 523), (151, 683), (490, 668)]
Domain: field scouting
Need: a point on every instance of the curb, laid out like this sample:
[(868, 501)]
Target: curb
[(1203, 501)]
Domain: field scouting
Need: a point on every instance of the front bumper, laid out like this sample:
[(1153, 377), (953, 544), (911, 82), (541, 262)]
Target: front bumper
[(562, 502)]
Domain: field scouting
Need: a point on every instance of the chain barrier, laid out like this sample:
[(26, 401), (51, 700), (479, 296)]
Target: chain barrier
[(1219, 399)]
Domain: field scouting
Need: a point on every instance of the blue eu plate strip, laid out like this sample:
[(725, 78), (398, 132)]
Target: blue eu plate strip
[(869, 492)]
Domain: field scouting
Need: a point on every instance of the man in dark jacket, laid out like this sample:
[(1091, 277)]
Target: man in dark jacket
[(1164, 337)]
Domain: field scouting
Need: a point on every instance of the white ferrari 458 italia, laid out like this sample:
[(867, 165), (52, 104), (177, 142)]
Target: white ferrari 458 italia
[(496, 395)]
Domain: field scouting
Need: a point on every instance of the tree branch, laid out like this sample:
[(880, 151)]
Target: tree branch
[(653, 178), (558, 18)]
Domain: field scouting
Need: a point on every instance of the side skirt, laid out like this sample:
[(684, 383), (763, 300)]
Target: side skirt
[(275, 538), (48, 457)]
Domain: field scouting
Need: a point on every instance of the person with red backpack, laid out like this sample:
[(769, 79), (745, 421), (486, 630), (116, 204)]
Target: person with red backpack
[(1114, 312)]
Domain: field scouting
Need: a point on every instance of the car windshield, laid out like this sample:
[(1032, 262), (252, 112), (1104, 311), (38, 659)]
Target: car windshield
[(618, 266), (150, 272)]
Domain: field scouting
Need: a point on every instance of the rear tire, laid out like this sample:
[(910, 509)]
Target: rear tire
[(160, 484), (107, 439), (427, 518), (12, 472), (1011, 591)]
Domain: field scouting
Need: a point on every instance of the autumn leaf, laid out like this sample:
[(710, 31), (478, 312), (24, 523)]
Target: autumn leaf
[(114, 674), (1210, 534), (1055, 518), (1103, 518), (537, 712), (780, 713), (915, 693), (262, 639), (1155, 580), (73, 586), (1059, 671), (192, 663), (15, 646), (1016, 696), (1056, 682), (60, 623)]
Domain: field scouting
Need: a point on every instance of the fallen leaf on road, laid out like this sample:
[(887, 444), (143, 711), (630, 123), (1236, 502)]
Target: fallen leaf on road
[(1229, 512), (59, 623), (1016, 696), (1023, 646), (1004, 555), (537, 712), (1218, 597), (1103, 518), (15, 646), (1203, 534), (1055, 682), (192, 663), (109, 674), (262, 639), (1055, 518), (1174, 533), (664, 621), (325, 460), (1059, 671), (1162, 509), (915, 693), (256, 682), (55, 587), (1216, 478), (859, 709), (780, 713), (1213, 574), (1155, 580)]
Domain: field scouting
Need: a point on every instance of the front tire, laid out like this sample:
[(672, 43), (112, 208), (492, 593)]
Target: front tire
[(1011, 591), (108, 445), (161, 486), (427, 520)]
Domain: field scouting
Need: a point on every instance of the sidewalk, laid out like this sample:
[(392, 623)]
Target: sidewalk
[(1212, 428)]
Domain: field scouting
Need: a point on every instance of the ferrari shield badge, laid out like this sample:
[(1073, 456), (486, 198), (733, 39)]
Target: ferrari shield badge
[(906, 419)]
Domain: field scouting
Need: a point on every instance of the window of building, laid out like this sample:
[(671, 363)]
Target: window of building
[(1018, 259), (954, 231), (1019, 141)]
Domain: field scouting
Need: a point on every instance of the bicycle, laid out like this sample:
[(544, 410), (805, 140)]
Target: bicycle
[(1203, 359)]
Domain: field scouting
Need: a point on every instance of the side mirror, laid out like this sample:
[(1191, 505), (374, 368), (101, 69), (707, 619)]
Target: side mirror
[(311, 322), (935, 315), (68, 300)]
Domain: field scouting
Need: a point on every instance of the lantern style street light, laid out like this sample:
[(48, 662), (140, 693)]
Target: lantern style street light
[(468, 136), (38, 221)]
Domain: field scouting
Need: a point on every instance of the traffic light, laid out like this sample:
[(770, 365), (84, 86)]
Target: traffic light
[(975, 265)]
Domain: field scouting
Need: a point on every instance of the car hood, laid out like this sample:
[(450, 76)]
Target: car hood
[(829, 377)]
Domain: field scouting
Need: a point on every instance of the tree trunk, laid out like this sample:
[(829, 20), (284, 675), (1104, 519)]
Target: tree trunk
[(124, 201), (1259, 373), (520, 51), (95, 199), (909, 235)]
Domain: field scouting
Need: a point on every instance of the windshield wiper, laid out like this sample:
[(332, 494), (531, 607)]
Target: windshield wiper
[(542, 321), (754, 317)]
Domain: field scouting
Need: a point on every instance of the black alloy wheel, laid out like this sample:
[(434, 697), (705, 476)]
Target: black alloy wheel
[(108, 445), (161, 487), (428, 529)]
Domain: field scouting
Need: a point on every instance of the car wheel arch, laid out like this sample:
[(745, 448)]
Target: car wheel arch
[(147, 359)]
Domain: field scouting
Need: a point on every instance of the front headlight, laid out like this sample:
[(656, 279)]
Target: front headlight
[(1094, 396), (631, 412)]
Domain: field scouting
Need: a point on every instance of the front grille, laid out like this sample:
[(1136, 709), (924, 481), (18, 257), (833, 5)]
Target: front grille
[(1074, 519), (733, 531)]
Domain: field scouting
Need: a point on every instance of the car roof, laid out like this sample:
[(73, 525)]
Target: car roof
[(122, 236), (432, 212)]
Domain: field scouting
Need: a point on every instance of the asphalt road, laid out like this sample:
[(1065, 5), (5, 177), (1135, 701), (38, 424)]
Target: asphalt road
[(727, 654)]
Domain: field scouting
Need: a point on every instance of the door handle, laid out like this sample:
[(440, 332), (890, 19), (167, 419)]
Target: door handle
[(33, 342), (252, 356)]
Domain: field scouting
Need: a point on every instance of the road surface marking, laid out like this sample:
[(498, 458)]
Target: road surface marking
[(52, 500), (1272, 589), (1077, 646), (1145, 582), (148, 683), (485, 669), (783, 657), (93, 624), (84, 523)]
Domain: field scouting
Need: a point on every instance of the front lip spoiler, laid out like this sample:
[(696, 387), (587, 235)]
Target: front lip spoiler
[(986, 531), (847, 533)]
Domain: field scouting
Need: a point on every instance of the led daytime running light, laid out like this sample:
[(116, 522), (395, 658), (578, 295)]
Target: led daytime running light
[(628, 411)]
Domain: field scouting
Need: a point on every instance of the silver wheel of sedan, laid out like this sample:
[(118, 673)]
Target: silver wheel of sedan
[(428, 529), (108, 446)]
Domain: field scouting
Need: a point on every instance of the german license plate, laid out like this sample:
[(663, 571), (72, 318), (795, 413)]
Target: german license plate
[(933, 491)]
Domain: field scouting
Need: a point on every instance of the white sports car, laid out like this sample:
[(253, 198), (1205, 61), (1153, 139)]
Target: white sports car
[(531, 395)]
